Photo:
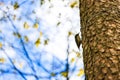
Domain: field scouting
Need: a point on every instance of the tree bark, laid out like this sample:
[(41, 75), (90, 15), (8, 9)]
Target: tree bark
[(100, 29)]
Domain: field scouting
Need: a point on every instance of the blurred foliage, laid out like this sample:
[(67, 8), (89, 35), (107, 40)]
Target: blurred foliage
[(26, 38), (69, 33), (26, 26), (0, 45), (81, 72), (31, 26), (36, 25), (58, 23), (65, 74), (16, 6), (17, 35), (46, 42), (37, 42), (2, 60), (42, 2), (72, 60), (52, 74), (74, 3), (41, 34)]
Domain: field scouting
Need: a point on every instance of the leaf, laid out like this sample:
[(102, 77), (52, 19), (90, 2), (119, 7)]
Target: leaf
[(78, 54), (52, 74), (65, 74), (42, 2), (46, 41), (37, 43), (58, 23), (26, 26), (69, 33), (26, 39), (17, 35), (41, 34), (1, 45), (73, 4), (2, 60), (36, 25), (16, 6), (81, 72), (72, 60)]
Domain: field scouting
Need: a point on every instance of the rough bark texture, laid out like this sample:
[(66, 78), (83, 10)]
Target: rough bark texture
[(100, 28)]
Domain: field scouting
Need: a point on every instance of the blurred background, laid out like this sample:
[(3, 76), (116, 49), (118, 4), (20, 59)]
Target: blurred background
[(37, 40)]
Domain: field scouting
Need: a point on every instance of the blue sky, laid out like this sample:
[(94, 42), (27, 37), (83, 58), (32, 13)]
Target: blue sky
[(37, 40)]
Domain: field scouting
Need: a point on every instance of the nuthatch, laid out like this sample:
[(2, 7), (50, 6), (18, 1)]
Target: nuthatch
[(78, 40)]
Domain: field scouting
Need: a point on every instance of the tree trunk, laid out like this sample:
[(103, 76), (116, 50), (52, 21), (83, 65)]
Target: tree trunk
[(100, 28)]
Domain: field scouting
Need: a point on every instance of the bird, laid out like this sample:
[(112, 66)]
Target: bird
[(78, 40)]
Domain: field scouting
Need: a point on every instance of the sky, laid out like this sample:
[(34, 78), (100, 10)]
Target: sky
[(37, 40)]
